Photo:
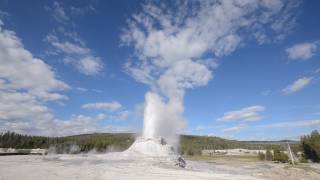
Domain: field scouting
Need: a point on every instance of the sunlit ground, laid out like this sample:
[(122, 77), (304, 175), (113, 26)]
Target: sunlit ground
[(115, 166)]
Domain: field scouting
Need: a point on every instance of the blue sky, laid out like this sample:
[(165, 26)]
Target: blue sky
[(79, 67)]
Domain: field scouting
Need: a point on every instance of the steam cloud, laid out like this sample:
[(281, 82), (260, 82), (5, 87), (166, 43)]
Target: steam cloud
[(173, 44)]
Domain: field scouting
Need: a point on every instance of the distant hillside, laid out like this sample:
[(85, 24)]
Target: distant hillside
[(194, 144), (101, 142), (272, 142), (70, 144)]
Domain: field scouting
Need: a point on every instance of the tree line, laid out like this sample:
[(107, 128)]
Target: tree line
[(189, 145), (99, 142)]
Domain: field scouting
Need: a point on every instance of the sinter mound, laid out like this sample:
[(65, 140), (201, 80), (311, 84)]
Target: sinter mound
[(156, 147)]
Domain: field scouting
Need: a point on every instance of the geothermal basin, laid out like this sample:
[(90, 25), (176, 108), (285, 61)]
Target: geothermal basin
[(146, 159), (125, 166)]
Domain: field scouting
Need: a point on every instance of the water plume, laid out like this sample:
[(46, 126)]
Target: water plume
[(162, 119), (177, 45)]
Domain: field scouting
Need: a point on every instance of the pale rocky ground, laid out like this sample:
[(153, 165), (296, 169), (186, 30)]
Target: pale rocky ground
[(149, 158), (125, 166)]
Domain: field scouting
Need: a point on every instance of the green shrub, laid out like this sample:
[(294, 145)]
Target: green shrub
[(190, 152), (280, 156), (262, 156), (303, 158), (269, 155), (311, 146)]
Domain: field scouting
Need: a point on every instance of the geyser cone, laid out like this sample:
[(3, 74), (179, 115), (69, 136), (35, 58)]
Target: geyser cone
[(156, 149)]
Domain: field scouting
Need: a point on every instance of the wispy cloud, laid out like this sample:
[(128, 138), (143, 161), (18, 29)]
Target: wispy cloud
[(116, 111), (58, 12), (202, 127), (76, 54), (303, 51), (63, 14), (80, 11), (294, 124), (97, 90), (121, 115), (67, 43), (245, 115), (235, 129), (82, 89), (297, 85), (78, 124), (110, 106), (66, 46)]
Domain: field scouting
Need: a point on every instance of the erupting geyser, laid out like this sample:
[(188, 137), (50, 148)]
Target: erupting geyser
[(157, 131), (152, 114), (162, 119)]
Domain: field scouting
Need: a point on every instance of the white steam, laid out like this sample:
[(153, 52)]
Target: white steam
[(162, 119), (173, 43)]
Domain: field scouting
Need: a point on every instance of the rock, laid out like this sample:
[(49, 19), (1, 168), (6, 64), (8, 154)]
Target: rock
[(181, 162)]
